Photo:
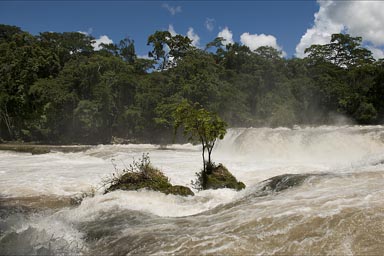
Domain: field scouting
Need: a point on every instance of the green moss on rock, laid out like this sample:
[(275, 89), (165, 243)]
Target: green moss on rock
[(148, 178), (179, 190), (219, 177)]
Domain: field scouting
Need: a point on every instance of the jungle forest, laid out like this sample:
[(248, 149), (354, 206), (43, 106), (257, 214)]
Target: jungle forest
[(56, 88)]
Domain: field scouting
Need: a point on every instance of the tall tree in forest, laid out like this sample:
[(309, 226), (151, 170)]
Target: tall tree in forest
[(167, 48), (344, 51), (127, 50)]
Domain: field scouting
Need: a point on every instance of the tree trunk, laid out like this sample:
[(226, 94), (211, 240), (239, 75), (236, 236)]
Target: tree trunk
[(209, 156), (7, 122), (209, 149), (204, 165)]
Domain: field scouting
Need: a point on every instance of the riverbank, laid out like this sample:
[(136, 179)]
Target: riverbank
[(42, 149)]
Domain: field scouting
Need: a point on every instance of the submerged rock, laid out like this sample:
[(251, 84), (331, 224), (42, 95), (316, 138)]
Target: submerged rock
[(149, 178), (285, 181), (220, 177), (117, 140)]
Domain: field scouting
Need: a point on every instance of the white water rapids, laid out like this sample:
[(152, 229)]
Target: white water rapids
[(339, 208)]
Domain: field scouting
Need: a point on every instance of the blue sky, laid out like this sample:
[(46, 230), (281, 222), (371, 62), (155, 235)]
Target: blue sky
[(289, 26)]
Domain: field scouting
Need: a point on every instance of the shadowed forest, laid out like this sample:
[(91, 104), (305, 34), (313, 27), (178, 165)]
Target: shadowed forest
[(56, 88)]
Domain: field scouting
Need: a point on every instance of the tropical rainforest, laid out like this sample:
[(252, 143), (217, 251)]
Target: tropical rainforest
[(56, 88)]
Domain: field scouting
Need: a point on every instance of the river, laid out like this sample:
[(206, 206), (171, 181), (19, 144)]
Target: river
[(338, 209)]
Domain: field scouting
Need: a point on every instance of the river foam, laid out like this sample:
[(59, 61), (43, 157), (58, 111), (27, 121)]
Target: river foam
[(337, 209)]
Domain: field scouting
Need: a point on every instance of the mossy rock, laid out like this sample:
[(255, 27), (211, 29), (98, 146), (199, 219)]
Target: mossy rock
[(220, 177), (179, 190), (151, 179)]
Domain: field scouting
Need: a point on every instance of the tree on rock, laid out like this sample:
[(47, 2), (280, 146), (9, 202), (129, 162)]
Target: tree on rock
[(205, 127), (200, 125)]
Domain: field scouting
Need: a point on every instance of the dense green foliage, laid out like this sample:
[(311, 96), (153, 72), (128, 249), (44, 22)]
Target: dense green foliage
[(56, 88), (200, 125)]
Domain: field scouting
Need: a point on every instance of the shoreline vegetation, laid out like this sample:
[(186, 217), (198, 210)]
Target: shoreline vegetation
[(37, 149), (56, 88)]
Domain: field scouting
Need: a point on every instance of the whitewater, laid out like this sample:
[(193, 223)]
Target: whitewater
[(338, 209)]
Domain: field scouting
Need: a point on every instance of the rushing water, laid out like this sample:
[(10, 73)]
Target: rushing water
[(339, 209)]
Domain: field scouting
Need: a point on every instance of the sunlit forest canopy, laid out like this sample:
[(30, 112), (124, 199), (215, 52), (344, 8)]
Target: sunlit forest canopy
[(59, 88)]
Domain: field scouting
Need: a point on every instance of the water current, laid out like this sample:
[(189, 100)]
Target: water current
[(338, 209)]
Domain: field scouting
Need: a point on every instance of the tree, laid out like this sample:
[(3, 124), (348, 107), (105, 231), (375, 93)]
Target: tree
[(197, 79), (109, 49), (344, 51), (127, 50), (269, 53), (158, 41), (87, 119), (201, 126), (7, 32), (217, 43), (236, 56), (22, 62), (167, 48), (66, 46)]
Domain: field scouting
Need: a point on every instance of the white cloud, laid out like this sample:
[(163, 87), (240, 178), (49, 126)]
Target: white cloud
[(172, 9), (254, 41), (362, 18), (227, 35), (376, 52), (190, 34), (210, 24), (87, 33), (144, 56), (171, 30), (101, 40), (194, 37), (358, 18)]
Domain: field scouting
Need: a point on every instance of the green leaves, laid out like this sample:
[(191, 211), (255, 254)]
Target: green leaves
[(199, 125), (167, 48), (55, 87), (343, 51)]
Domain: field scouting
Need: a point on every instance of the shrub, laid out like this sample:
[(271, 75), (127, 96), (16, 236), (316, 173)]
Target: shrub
[(142, 175)]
